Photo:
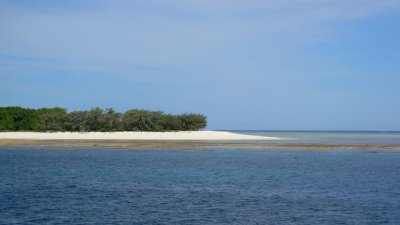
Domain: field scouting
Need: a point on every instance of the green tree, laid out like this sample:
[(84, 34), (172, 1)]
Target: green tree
[(6, 120), (171, 122), (52, 119), (76, 121), (25, 119), (142, 120), (94, 120), (111, 120), (192, 121), (57, 119)]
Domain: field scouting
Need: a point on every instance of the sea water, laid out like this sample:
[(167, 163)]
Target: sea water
[(331, 137), (198, 186)]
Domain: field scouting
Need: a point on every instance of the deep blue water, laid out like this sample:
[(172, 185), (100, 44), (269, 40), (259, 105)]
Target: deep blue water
[(207, 186)]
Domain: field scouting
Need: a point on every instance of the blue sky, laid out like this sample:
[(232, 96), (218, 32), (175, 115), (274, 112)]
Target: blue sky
[(254, 64)]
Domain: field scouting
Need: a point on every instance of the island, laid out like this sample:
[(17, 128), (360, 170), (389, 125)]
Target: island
[(109, 128)]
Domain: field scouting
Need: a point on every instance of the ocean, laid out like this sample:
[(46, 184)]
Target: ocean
[(331, 137), (205, 185)]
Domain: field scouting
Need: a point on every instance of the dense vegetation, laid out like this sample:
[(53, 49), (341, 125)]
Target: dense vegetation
[(96, 119)]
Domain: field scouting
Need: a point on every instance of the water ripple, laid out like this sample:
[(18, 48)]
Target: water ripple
[(198, 187)]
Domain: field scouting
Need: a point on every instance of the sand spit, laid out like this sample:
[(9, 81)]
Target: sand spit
[(167, 140), (140, 136)]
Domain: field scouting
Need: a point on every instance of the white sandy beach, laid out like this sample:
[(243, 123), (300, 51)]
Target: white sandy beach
[(156, 136)]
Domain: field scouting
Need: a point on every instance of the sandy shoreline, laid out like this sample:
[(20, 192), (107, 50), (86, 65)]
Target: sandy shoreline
[(140, 136), (165, 140)]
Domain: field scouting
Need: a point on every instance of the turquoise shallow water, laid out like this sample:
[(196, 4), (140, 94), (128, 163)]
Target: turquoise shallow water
[(204, 186)]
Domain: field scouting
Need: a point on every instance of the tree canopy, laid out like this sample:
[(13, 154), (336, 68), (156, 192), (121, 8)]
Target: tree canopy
[(58, 119)]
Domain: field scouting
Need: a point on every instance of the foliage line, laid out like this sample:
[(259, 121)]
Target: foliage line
[(16, 118)]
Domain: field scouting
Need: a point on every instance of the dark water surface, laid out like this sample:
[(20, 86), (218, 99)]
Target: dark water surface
[(208, 186)]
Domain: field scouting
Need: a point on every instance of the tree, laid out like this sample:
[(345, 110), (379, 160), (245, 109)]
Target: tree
[(52, 119), (111, 120), (96, 119), (76, 121), (6, 120), (192, 121), (171, 122), (25, 119), (93, 120), (142, 120)]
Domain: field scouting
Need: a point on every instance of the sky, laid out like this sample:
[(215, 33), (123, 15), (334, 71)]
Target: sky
[(245, 64)]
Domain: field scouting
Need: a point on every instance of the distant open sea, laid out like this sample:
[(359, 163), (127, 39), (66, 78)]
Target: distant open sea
[(205, 185), (331, 137)]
